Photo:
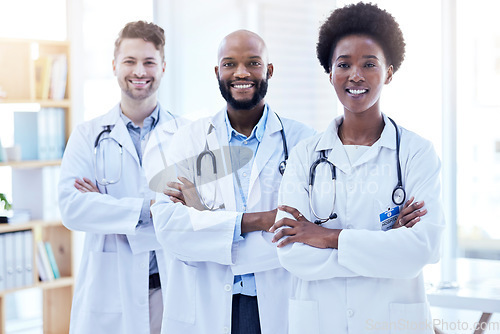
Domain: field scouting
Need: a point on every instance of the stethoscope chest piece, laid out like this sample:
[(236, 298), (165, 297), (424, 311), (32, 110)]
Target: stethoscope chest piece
[(398, 195)]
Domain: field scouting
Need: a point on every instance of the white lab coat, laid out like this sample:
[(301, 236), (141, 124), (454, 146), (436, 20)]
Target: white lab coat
[(111, 291), (373, 282), (205, 258)]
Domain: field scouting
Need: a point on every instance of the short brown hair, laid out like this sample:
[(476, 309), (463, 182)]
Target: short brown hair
[(149, 32)]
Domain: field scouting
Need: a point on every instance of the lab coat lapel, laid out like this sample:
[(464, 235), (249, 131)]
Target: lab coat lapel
[(121, 135), (119, 131), (267, 148), (330, 141), (225, 175)]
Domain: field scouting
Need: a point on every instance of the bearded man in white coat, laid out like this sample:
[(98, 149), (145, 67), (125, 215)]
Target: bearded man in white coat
[(103, 191), (224, 274)]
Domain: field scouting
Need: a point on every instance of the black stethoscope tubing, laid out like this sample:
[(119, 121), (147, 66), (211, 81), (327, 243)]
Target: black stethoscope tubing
[(208, 152), (398, 194)]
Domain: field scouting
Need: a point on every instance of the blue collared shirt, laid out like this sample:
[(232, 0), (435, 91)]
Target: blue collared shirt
[(244, 284), (140, 137)]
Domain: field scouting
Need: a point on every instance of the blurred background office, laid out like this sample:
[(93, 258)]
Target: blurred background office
[(446, 90)]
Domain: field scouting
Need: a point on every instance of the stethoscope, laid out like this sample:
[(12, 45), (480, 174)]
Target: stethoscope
[(103, 180), (99, 151), (208, 153), (398, 194)]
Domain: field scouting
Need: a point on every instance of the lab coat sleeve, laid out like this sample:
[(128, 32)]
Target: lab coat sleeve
[(304, 261), (186, 233), (403, 252), (92, 212), (180, 231)]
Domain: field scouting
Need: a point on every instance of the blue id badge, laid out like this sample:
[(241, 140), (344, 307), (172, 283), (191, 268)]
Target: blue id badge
[(388, 218)]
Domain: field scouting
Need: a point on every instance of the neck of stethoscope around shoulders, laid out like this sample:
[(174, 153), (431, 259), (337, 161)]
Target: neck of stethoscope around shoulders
[(207, 152), (398, 194)]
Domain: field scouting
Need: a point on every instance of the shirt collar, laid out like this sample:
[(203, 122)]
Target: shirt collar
[(149, 122), (258, 130)]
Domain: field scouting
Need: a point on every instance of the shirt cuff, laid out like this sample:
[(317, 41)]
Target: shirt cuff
[(145, 216), (237, 229)]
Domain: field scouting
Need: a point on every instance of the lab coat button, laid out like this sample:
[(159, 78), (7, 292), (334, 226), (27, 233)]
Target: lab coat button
[(350, 226), (226, 330), (228, 287), (350, 313)]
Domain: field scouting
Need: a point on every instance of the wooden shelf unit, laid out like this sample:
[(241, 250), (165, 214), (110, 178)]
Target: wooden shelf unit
[(18, 80)]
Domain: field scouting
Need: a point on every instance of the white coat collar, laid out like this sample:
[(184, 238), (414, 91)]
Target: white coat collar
[(330, 141), (218, 139), (119, 131)]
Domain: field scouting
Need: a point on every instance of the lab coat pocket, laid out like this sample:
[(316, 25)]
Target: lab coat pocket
[(181, 291), (103, 281), (410, 318), (303, 317)]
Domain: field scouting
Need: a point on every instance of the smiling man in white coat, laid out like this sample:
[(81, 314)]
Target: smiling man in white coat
[(225, 275), (103, 191)]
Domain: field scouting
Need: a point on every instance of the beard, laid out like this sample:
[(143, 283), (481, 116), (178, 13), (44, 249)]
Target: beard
[(258, 96)]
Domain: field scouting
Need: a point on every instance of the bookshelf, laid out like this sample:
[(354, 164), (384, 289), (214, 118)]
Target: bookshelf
[(22, 79)]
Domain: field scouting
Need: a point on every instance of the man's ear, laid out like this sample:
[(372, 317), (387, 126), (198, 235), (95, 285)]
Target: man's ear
[(390, 72), (216, 69), (114, 66), (270, 70)]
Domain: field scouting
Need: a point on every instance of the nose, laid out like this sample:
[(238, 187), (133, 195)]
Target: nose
[(356, 74), (139, 70), (241, 71)]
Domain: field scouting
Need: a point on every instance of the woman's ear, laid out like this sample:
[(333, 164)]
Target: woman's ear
[(330, 76), (390, 72)]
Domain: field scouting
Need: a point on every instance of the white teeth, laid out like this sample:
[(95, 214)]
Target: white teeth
[(357, 91), (242, 86), (135, 82)]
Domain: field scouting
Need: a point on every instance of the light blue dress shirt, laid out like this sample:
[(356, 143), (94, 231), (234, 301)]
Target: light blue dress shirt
[(140, 138), (244, 284)]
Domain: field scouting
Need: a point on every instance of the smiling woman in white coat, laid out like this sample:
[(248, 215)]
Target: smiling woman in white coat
[(356, 241)]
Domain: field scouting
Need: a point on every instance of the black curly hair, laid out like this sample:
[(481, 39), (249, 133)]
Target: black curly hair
[(361, 18)]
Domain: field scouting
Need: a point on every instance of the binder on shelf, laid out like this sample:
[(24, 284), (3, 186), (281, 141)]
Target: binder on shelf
[(26, 134), (42, 275), (52, 260), (59, 77), (9, 261), (28, 257), (44, 261), (18, 259), (41, 135), (3, 261), (43, 69)]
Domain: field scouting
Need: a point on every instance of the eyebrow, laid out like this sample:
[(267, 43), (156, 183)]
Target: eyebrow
[(347, 57), (130, 57), (231, 58)]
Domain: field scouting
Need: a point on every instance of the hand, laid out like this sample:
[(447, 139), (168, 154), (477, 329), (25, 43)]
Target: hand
[(86, 186), (184, 193), (258, 221), (304, 231), (410, 215)]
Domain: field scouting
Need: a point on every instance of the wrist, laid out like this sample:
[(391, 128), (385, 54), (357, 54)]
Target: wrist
[(333, 238)]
